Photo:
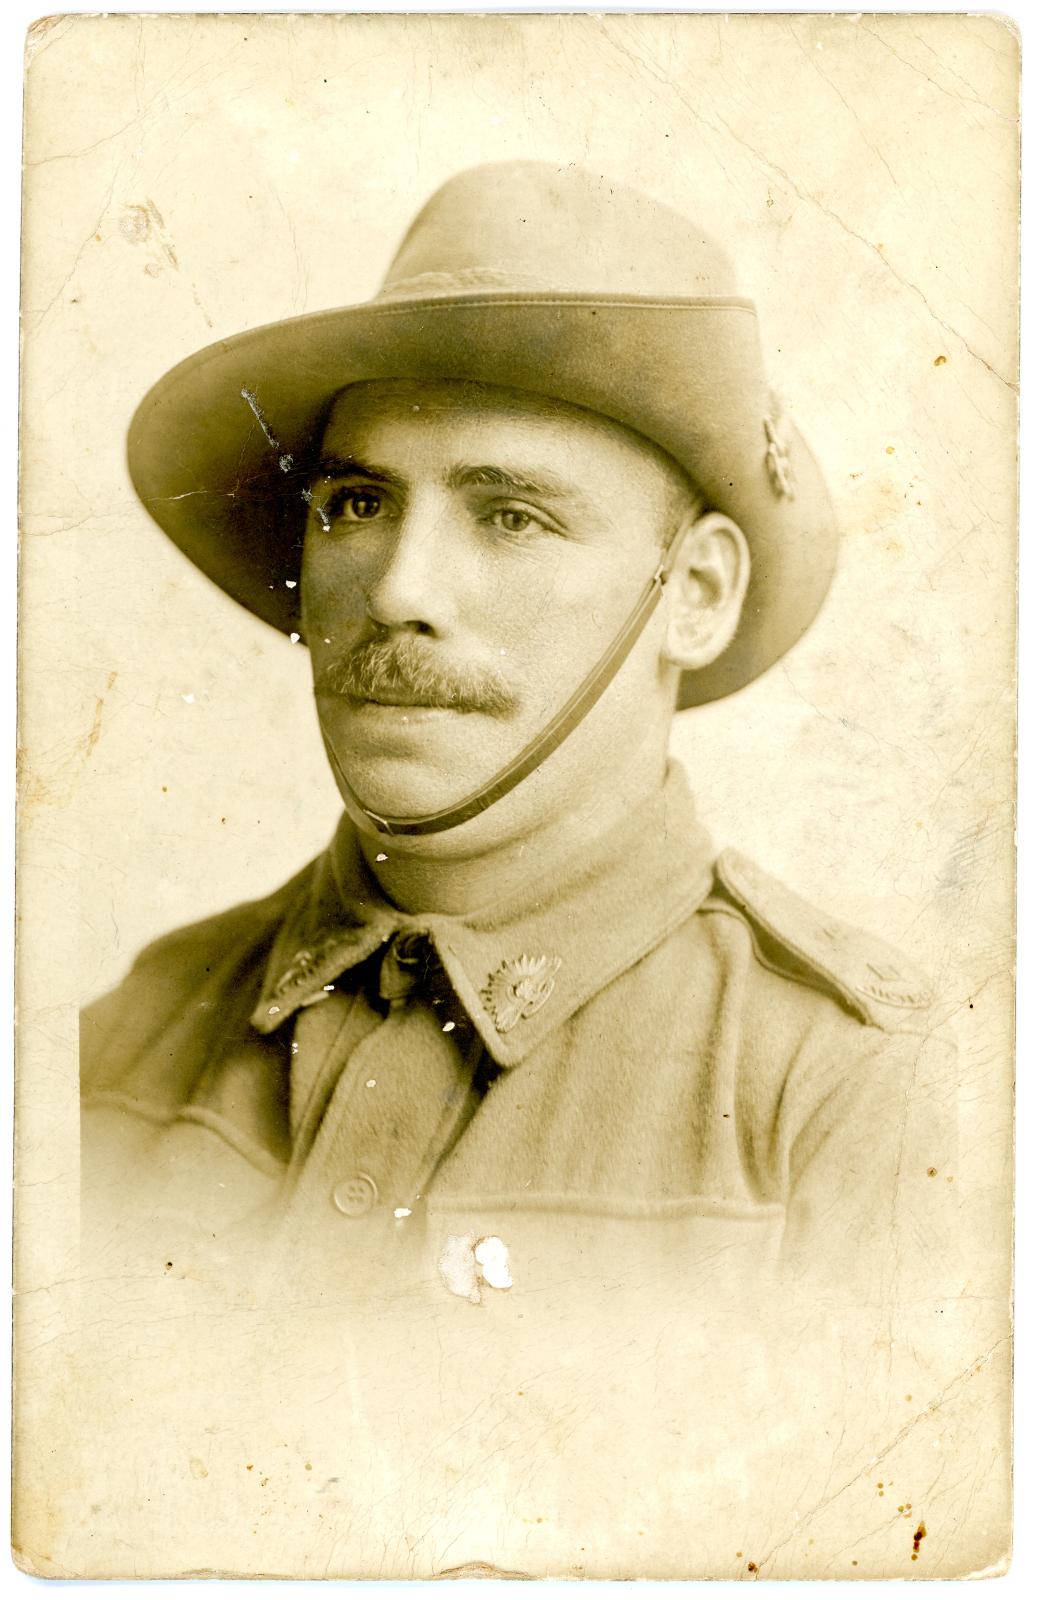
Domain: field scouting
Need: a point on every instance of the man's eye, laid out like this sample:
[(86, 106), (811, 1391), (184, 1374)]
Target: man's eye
[(353, 505), (512, 520)]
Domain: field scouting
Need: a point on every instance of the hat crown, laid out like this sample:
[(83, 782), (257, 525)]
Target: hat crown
[(530, 226)]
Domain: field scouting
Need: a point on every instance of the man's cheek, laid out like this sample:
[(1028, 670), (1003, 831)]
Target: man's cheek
[(330, 604)]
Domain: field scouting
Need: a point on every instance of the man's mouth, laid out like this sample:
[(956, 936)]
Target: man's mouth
[(401, 699)]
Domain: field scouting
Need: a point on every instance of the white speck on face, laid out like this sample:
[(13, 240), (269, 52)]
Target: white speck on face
[(371, 1083), (448, 1027), (382, 856), (272, 1011), (290, 583), (401, 1212), (188, 699), (329, 988), (294, 637)]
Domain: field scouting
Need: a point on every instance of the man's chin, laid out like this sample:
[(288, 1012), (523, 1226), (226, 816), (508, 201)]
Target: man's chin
[(403, 784)]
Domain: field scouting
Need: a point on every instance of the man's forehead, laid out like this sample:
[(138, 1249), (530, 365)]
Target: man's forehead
[(454, 408), (402, 397)]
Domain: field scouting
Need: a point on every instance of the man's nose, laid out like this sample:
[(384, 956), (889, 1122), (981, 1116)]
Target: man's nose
[(411, 584)]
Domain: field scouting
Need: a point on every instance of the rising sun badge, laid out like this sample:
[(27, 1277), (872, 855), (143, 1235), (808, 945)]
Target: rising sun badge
[(519, 988)]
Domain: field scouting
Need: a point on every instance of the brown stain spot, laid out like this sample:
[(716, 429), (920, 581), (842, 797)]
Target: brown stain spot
[(917, 1539), (198, 1468), (95, 727), (249, 1467), (309, 1466), (751, 1566), (908, 1397), (931, 1172), (738, 1555), (940, 361), (854, 1563), (890, 449)]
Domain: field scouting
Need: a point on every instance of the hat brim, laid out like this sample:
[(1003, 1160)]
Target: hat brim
[(225, 485)]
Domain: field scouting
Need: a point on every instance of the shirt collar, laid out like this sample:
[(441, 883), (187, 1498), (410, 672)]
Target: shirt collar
[(520, 967)]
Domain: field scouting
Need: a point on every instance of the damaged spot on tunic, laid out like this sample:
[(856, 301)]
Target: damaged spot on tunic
[(471, 1262)]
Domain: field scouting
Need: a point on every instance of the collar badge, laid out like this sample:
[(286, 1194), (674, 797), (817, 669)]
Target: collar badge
[(519, 988)]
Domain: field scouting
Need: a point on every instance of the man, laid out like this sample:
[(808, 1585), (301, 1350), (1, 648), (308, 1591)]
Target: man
[(519, 507)]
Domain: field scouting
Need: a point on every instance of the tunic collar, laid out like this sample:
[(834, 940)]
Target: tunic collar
[(523, 966)]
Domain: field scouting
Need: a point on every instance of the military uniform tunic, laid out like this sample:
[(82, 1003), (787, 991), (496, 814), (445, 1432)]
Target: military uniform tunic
[(662, 1047)]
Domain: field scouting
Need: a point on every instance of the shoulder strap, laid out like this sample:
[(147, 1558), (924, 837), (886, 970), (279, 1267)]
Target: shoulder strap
[(871, 977)]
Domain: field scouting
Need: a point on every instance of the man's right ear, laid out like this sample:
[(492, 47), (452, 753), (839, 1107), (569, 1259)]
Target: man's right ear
[(709, 576)]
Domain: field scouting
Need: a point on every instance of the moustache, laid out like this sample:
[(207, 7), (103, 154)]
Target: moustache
[(405, 668)]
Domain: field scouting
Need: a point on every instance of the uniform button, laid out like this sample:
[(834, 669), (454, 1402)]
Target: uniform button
[(355, 1196)]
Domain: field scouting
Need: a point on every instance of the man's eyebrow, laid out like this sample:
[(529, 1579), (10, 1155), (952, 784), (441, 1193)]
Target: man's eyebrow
[(542, 483), (513, 480), (335, 466)]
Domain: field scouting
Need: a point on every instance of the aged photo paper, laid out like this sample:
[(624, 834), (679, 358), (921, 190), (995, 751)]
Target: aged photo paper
[(472, 1117)]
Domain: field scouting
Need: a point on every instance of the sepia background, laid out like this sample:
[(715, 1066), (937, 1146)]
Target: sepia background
[(187, 178)]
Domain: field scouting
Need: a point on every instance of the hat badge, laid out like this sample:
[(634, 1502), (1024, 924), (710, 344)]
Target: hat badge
[(776, 458), (519, 988)]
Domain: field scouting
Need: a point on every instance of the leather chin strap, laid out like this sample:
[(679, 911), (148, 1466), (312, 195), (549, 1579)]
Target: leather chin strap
[(539, 748)]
